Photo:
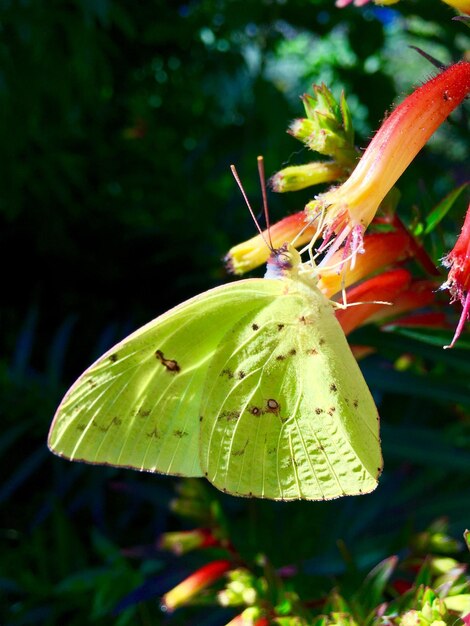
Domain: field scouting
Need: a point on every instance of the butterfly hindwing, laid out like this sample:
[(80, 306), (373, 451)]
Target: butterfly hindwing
[(286, 412), (139, 405)]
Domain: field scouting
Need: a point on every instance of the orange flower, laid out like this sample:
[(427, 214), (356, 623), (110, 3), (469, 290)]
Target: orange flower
[(347, 210), (199, 580), (458, 282)]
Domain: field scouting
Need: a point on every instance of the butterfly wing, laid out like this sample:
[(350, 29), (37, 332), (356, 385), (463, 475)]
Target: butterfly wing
[(286, 412), (138, 406)]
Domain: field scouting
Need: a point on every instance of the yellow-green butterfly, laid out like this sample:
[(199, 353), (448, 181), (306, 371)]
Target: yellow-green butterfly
[(251, 384)]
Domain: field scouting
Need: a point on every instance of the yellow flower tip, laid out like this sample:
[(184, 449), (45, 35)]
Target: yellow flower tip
[(302, 129), (247, 255), (458, 281), (252, 253), (196, 582), (180, 542), (349, 209), (297, 177), (461, 5)]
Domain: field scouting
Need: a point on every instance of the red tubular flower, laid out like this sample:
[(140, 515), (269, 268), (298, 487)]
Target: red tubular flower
[(404, 295), (380, 250), (347, 210), (199, 580), (385, 287), (420, 293), (458, 282)]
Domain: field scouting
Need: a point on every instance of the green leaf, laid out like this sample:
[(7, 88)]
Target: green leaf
[(435, 337), (347, 119), (441, 210), (371, 592)]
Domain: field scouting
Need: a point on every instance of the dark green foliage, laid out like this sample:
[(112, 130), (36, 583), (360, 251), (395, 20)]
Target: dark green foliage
[(118, 123)]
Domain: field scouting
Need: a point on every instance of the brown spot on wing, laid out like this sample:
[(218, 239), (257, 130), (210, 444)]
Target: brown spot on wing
[(153, 433), (230, 416), (116, 421), (170, 364), (113, 357), (272, 406), (254, 326), (280, 327), (241, 451), (180, 433), (333, 387)]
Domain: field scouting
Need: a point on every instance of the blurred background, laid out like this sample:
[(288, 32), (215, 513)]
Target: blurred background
[(118, 123)]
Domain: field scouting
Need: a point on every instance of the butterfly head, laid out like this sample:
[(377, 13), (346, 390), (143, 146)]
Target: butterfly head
[(284, 261)]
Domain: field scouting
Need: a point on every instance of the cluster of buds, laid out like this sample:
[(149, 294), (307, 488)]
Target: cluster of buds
[(326, 129), (341, 215), (433, 611)]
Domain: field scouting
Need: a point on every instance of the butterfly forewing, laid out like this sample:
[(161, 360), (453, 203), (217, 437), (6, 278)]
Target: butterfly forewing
[(286, 413), (138, 405)]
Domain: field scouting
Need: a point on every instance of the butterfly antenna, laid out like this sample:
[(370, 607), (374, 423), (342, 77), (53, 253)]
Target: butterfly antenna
[(262, 180), (247, 202)]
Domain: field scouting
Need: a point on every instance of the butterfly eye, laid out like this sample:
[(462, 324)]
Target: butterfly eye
[(288, 257)]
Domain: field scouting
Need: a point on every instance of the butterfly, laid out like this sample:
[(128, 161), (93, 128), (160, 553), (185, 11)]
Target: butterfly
[(251, 384)]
